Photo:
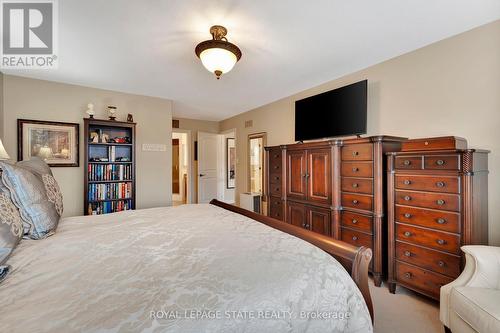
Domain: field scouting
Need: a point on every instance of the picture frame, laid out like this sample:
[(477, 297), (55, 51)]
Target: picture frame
[(230, 163), (57, 143)]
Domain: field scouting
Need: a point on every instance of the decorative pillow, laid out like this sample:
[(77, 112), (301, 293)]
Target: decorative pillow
[(29, 194), (36, 165), (11, 228)]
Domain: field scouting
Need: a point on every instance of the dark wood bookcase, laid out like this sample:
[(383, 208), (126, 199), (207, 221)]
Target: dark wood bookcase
[(109, 166)]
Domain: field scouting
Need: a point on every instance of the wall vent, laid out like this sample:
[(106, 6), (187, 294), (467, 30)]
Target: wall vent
[(248, 123), (175, 123)]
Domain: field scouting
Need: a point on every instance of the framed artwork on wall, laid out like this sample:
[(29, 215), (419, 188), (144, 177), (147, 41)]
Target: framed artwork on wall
[(231, 162), (54, 142)]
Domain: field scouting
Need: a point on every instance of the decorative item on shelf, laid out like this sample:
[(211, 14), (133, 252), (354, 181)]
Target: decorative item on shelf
[(104, 138), (124, 139), (55, 142), (218, 55), (3, 153), (90, 110), (130, 118), (112, 112), (94, 137)]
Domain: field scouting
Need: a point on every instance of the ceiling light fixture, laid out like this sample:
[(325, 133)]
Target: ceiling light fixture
[(218, 55)]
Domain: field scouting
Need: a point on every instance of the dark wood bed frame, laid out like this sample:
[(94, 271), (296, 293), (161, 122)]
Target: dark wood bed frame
[(355, 259)]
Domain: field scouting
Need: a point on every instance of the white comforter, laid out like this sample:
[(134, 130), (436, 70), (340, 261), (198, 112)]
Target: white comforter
[(194, 268)]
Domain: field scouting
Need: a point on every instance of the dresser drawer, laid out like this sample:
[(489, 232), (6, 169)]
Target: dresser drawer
[(275, 168), (428, 183), (357, 221), (442, 162), (408, 162), (276, 208), (275, 189), (434, 239), (357, 169), (421, 279), (443, 201), (435, 219), (356, 238), (357, 185), (357, 152), (358, 201), (436, 261), (275, 178)]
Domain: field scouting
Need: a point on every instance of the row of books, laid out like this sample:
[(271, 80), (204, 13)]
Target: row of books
[(98, 208), (110, 191), (99, 172)]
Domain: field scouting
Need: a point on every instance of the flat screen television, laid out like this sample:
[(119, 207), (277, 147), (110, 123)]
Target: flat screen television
[(338, 112)]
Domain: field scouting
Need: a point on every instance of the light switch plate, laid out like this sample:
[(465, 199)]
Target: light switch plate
[(154, 147)]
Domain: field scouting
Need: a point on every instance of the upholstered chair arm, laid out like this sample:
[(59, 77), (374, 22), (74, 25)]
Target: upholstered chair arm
[(482, 270)]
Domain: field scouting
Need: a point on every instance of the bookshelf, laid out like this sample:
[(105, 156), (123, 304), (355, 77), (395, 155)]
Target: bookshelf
[(109, 172)]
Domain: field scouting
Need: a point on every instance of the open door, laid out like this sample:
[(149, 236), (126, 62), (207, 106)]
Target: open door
[(208, 156)]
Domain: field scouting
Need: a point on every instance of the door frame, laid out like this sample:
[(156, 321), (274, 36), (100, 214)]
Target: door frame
[(262, 135), (190, 189)]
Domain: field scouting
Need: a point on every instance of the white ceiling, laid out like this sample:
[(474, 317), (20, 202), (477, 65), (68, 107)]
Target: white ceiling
[(147, 47)]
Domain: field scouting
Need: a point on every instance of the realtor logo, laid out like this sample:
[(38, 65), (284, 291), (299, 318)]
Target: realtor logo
[(29, 30)]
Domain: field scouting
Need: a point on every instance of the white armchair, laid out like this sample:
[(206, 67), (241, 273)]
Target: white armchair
[(471, 303)]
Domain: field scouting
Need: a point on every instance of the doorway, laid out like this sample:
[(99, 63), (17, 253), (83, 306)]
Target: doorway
[(256, 144), (181, 168)]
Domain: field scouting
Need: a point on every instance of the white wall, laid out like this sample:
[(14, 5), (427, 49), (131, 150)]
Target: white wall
[(51, 101)]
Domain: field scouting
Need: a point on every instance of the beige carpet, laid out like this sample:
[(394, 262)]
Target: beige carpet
[(405, 311)]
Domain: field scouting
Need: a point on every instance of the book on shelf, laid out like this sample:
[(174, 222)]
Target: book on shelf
[(110, 191), (109, 172), (105, 207)]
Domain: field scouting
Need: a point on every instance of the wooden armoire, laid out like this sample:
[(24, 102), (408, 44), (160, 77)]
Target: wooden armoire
[(336, 188)]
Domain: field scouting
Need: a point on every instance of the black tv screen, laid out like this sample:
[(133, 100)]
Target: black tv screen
[(337, 112)]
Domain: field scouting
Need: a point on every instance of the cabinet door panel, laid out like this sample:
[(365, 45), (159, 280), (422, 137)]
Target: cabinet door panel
[(296, 174), (296, 214), (319, 173), (319, 220)]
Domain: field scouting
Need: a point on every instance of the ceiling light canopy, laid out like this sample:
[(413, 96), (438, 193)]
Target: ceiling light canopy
[(218, 55)]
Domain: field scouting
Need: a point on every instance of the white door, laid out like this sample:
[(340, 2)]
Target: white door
[(207, 166)]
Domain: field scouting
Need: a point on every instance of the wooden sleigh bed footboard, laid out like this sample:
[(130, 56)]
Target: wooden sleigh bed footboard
[(354, 258)]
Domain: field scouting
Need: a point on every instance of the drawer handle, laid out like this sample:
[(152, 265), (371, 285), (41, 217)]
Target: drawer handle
[(441, 220), (407, 198), (354, 221), (278, 214), (440, 184), (406, 162), (441, 241), (276, 156), (440, 162), (408, 275), (407, 182), (440, 202), (354, 238), (276, 166), (355, 153), (355, 201), (407, 215), (277, 178), (277, 189), (407, 234), (441, 263), (408, 253), (355, 169), (355, 185), (277, 203)]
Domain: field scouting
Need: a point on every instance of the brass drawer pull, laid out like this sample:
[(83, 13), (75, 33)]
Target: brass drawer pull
[(355, 153), (408, 253), (441, 241), (407, 182), (440, 202), (355, 201), (277, 177), (406, 162), (276, 166), (276, 156), (407, 198), (277, 203), (277, 214), (355, 185), (407, 234), (441, 220), (440, 184), (440, 162), (408, 275), (354, 238), (441, 263), (278, 189), (354, 221), (407, 215), (355, 169)]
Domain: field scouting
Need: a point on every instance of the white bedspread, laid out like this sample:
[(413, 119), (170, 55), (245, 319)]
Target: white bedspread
[(193, 268)]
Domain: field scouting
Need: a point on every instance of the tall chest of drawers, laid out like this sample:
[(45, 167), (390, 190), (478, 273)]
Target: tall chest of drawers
[(438, 201)]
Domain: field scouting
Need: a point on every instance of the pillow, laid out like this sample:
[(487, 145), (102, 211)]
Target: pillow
[(11, 228), (36, 165), (37, 196)]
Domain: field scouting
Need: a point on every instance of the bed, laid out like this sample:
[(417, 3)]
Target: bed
[(192, 268)]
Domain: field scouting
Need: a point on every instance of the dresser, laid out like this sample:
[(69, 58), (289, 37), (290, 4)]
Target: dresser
[(335, 188), (438, 201)]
